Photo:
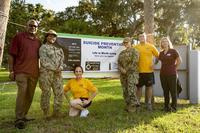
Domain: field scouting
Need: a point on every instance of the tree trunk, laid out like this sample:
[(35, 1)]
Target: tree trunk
[(148, 16), (149, 28), (4, 15)]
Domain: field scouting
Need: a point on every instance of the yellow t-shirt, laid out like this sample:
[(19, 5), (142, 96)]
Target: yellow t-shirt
[(81, 88), (146, 53)]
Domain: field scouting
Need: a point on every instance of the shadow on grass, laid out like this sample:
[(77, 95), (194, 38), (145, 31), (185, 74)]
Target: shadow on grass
[(106, 116), (107, 113)]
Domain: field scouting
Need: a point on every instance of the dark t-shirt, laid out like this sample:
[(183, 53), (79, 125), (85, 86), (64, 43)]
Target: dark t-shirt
[(168, 61), (26, 53)]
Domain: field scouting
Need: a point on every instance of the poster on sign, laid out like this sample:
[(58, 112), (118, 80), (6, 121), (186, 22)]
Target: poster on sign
[(100, 54), (93, 53)]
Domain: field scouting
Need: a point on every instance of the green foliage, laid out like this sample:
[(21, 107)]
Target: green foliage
[(178, 19), (193, 21), (20, 13), (107, 114), (113, 18)]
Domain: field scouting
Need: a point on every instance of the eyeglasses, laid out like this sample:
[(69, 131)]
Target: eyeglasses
[(33, 26)]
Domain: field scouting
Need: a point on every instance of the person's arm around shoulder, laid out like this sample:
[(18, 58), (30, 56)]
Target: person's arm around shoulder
[(155, 54), (155, 51), (156, 61)]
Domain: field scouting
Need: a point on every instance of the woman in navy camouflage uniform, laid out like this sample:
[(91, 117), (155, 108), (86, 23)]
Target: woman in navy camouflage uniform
[(51, 64)]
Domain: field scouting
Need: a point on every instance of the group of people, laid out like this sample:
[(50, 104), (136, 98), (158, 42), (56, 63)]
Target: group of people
[(136, 66), (30, 61)]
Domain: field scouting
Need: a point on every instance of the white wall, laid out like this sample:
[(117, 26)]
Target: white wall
[(194, 74)]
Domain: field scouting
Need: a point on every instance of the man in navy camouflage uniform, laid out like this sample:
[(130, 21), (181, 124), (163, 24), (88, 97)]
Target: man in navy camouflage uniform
[(128, 68)]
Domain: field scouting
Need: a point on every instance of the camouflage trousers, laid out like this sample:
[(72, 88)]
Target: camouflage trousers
[(48, 80), (128, 83)]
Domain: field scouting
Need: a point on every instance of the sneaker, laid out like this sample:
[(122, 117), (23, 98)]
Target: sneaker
[(84, 113), (130, 109)]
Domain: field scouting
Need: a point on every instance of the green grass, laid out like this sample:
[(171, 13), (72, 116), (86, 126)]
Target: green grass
[(107, 115), (3, 75)]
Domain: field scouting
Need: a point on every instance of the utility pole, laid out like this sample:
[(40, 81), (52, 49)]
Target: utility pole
[(4, 15)]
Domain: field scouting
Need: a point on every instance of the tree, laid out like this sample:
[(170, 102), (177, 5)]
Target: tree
[(4, 15), (171, 19), (20, 13), (148, 16), (193, 22), (178, 19), (117, 18), (149, 28)]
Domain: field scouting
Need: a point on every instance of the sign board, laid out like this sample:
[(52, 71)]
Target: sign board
[(96, 54)]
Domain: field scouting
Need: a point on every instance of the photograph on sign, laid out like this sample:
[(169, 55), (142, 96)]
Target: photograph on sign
[(72, 51)]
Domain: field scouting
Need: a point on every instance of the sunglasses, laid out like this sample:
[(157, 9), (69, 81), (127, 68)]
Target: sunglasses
[(33, 26)]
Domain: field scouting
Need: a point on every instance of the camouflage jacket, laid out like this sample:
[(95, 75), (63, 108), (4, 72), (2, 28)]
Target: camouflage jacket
[(51, 58), (128, 59)]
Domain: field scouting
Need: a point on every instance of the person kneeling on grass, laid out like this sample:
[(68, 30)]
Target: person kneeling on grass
[(83, 92)]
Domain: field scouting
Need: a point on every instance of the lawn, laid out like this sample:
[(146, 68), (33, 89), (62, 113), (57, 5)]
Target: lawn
[(3, 75), (107, 114)]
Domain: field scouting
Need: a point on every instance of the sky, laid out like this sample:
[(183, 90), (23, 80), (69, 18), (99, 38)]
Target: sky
[(55, 5)]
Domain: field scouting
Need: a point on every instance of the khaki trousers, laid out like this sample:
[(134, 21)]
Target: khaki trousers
[(26, 89)]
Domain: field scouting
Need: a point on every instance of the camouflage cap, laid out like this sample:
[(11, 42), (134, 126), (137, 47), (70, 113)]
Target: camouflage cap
[(51, 32), (127, 39)]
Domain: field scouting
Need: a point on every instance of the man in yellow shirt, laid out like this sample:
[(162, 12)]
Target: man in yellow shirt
[(146, 76)]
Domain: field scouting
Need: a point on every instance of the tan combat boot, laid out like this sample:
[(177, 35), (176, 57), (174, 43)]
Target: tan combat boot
[(56, 114), (130, 109)]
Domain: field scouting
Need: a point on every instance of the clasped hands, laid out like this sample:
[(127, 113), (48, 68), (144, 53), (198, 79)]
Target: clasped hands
[(85, 102)]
